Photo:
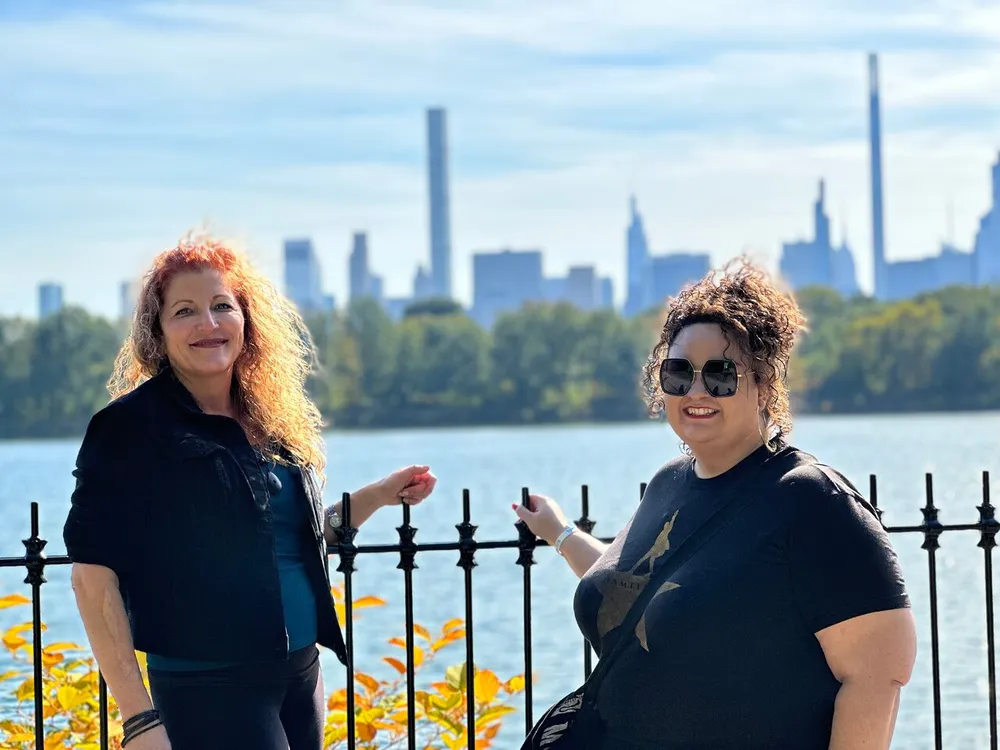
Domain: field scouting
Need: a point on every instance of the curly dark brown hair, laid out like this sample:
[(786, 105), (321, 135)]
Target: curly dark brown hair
[(755, 315)]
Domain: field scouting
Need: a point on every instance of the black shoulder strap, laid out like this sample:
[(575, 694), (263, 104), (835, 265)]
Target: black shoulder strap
[(774, 467)]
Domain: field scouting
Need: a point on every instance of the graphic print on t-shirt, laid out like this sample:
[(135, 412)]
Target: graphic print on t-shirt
[(620, 589)]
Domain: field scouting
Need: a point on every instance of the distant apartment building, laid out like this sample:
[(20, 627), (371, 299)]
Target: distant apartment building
[(423, 284), (987, 248), (362, 282), (581, 287), (638, 282), (395, 307), (50, 299), (505, 281), (816, 262), (953, 266), (672, 272), (908, 278), (304, 278), (128, 294), (607, 292), (651, 279)]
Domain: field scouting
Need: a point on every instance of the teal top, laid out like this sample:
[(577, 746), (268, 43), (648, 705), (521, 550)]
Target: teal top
[(292, 542)]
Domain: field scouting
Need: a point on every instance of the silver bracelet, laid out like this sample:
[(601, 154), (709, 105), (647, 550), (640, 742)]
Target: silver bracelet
[(566, 534)]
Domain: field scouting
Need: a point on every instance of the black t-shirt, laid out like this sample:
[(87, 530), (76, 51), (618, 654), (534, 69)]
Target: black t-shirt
[(726, 656)]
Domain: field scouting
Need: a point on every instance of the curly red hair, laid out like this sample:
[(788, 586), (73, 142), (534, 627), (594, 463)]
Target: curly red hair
[(269, 374)]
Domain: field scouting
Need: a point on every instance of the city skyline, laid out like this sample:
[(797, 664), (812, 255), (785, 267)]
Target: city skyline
[(722, 128)]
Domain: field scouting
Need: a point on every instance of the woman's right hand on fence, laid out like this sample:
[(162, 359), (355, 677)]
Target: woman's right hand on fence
[(543, 516), (154, 739)]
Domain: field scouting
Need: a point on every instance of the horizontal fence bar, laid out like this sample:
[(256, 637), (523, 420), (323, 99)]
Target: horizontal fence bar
[(368, 549)]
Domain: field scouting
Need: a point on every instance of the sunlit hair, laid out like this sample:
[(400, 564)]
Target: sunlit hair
[(756, 316), (269, 374)]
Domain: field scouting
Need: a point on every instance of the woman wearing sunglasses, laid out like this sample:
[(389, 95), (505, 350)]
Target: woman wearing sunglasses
[(789, 625)]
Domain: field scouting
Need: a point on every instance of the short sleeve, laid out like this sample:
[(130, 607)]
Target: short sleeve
[(842, 563), (96, 530)]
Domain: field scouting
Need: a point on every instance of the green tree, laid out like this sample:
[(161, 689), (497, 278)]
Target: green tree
[(443, 370), (376, 339), (538, 375), (433, 306), (69, 365), (17, 337)]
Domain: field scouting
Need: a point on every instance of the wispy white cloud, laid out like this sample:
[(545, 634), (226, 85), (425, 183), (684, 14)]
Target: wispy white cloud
[(280, 118)]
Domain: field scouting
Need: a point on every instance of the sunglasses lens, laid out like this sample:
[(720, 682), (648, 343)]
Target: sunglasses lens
[(721, 378), (676, 376)]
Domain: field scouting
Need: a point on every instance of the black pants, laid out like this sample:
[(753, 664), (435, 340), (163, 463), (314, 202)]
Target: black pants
[(276, 706)]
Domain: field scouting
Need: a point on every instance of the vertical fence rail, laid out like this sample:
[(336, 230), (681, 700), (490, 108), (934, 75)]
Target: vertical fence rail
[(526, 558), (34, 558), (407, 563), (102, 710), (347, 554), (873, 495), (987, 541), (467, 561), (35, 562), (932, 530), (586, 525)]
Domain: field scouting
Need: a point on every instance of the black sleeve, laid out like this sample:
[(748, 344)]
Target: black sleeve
[(842, 563), (97, 530)]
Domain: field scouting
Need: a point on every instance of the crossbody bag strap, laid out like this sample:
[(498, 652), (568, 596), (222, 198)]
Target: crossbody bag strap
[(711, 526)]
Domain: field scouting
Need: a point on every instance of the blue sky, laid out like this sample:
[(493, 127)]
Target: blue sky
[(123, 124)]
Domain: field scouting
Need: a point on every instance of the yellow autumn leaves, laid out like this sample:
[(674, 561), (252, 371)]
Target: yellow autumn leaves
[(70, 695), (441, 712)]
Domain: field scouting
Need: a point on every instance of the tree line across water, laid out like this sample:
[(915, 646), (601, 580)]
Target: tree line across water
[(542, 364)]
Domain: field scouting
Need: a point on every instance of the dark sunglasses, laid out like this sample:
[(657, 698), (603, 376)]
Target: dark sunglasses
[(719, 376)]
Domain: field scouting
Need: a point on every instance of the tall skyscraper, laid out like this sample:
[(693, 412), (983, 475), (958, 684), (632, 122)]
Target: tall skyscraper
[(128, 292), (50, 299), (440, 211), (638, 295), (359, 275), (821, 221), (987, 250), (875, 141), (303, 279), (816, 262), (423, 284)]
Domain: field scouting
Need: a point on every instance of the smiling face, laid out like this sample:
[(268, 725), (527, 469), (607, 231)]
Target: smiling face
[(708, 424), (202, 324)]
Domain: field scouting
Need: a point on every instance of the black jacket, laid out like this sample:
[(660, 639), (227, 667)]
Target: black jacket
[(175, 502)]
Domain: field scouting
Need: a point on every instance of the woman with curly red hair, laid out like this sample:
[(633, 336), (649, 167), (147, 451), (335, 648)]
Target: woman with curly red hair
[(783, 621), (197, 529)]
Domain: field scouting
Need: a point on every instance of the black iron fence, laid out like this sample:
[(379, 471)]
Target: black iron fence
[(35, 561)]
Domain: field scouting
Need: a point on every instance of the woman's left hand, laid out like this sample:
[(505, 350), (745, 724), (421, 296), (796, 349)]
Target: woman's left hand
[(410, 485)]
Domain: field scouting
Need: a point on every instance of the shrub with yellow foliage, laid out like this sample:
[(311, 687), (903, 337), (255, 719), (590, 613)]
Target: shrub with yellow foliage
[(70, 695)]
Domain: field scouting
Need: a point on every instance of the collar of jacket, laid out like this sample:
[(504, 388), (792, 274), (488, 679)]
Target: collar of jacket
[(167, 380)]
